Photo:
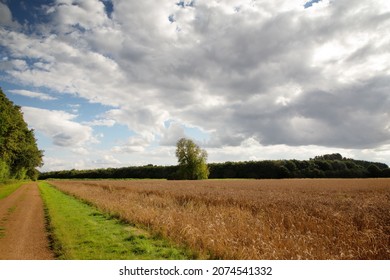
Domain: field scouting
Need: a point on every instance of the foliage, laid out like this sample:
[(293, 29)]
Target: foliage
[(4, 170), (386, 173), (326, 166), (335, 156), (7, 189), (374, 170), (266, 169), (19, 154), (131, 172), (192, 160)]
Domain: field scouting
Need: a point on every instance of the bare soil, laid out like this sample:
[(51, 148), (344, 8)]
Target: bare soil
[(22, 226)]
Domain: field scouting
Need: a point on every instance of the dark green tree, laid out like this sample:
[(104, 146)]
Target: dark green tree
[(192, 160), (374, 170), (335, 156), (19, 153), (385, 173)]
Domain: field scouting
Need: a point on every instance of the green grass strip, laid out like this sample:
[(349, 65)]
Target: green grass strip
[(7, 189), (80, 232)]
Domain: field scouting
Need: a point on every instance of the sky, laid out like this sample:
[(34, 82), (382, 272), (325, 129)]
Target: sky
[(117, 83)]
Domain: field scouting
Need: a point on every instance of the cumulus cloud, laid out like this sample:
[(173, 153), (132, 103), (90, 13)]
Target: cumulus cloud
[(291, 73), (5, 14), (107, 160), (134, 144), (172, 134), (6, 19), (146, 120), (100, 122), (59, 126), (33, 94), (78, 14)]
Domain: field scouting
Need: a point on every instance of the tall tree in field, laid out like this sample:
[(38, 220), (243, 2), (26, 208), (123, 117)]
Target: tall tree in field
[(192, 160), (19, 154)]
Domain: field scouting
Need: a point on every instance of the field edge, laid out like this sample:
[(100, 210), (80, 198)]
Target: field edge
[(133, 243)]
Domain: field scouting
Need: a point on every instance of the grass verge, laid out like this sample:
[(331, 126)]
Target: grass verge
[(80, 232), (7, 189)]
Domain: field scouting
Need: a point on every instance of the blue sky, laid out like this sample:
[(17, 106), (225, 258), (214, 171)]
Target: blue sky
[(308, 4), (117, 83)]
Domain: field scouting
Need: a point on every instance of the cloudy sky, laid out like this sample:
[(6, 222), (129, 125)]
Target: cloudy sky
[(116, 83)]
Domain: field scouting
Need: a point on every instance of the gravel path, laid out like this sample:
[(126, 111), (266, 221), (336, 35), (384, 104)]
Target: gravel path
[(22, 226)]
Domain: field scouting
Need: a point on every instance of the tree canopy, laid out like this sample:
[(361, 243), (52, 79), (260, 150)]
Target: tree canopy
[(265, 169), (19, 153), (192, 160)]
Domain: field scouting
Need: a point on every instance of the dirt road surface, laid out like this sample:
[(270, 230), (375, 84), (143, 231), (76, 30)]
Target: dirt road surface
[(22, 226)]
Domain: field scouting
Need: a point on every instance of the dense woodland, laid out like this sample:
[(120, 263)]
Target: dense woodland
[(19, 153), (326, 166)]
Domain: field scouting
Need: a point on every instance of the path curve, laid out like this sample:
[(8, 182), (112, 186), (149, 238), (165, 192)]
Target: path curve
[(22, 226)]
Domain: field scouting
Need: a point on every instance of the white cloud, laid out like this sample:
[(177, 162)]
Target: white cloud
[(100, 122), (146, 120), (6, 17), (54, 163), (33, 94), (59, 126), (78, 13), (172, 134), (80, 151), (5, 14), (134, 144), (265, 70), (107, 160)]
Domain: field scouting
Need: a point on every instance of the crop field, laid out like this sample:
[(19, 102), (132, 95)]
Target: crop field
[(80, 232), (253, 219)]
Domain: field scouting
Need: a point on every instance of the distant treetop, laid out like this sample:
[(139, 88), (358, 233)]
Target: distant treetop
[(335, 156)]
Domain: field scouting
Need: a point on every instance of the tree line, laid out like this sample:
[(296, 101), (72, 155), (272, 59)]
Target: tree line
[(313, 168), (20, 156), (326, 166), (19, 153)]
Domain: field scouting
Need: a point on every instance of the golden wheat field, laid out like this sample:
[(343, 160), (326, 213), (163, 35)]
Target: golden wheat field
[(254, 219)]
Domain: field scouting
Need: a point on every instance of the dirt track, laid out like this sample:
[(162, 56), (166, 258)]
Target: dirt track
[(22, 226)]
